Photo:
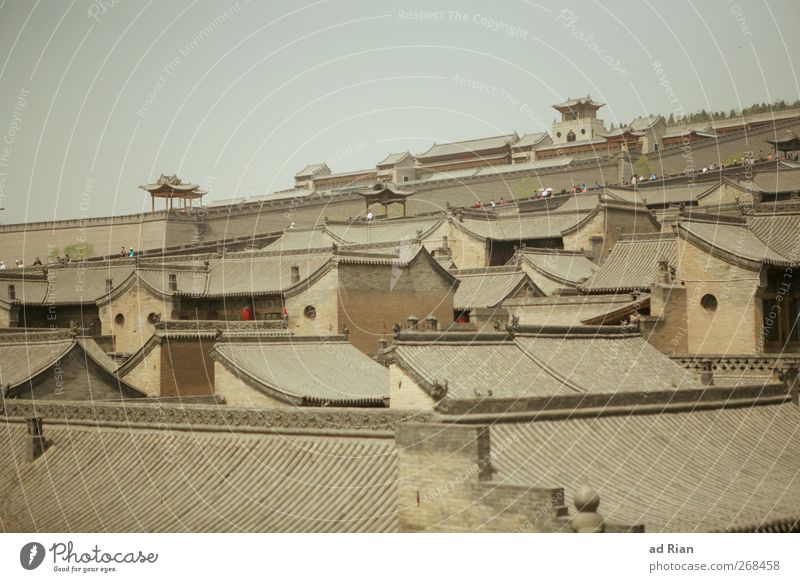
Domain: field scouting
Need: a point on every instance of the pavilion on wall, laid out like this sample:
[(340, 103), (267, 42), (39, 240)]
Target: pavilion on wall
[(385, 194), (788, 142), (170, 188)]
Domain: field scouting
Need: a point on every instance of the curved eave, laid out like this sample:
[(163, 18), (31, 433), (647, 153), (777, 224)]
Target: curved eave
[(729, 257), (35, 373), (289, 397), (114, 376), (613, 290), (138, 356), (552, 276), (583, 221)]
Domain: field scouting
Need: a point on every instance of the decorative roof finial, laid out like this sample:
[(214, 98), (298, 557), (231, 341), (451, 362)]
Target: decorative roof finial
[(586, 500)]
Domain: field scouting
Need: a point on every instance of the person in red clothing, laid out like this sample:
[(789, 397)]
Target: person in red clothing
[(247, 313)]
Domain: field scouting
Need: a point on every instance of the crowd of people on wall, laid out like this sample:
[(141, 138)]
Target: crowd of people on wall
[(59, 260)]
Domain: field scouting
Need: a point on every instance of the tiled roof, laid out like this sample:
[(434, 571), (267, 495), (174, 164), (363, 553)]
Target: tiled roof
[(529, 140), (293, 193), (644, 123), (682, 194), (312, 169), (680, 132), (570, 268), (294, 240), (572, 310), (691, 471), (392, 159), (380, 231), (259, 273), (140, 480), (469, 146), (780, 231), (634, 196), (24, 355), (30, 290), (569, 103), (479, 369), (606, 365), (307, 372), (80, 283), (784, 180), (523, 226), (734, 242), (633, 263), (578, 203), (97, 354), (568, 146), (487, 287), (539, 363)]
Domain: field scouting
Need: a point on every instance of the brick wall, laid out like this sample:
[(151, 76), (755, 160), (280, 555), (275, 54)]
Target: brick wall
[(146, 375), (734, 327), (468, 251), (236, 392), (323, 296), (445, 484), (373, 298), (666, 328), (186, 367), (405, 393), (135, 305)]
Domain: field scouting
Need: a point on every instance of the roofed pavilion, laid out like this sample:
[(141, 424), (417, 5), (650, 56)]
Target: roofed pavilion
[(385, 193), (788, 142), (172, 187)]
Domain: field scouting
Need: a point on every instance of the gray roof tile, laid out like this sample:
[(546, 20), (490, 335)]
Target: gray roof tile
[(307, 372), (176, 481), (633, 263), (675, 472)]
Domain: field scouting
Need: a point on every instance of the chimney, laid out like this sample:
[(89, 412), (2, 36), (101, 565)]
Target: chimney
[(173, 282), (295, 274), (109, 285), (12, 292), (663, 272), (431, 323), (412, 321), (38, 441), (706, 373)]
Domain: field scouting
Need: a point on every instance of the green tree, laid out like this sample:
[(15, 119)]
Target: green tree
[(643, 166), (526, 187), (79, 251)]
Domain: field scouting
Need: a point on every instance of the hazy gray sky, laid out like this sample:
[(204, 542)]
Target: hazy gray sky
[(97, 97)]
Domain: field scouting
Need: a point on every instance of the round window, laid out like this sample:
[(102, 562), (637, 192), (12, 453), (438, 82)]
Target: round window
[(558, 134), (709, 302), (119, 320), (310, 312), (583, 131), (153, 318)]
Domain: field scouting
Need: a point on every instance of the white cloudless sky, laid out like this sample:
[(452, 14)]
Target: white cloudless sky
[(99, 97)]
